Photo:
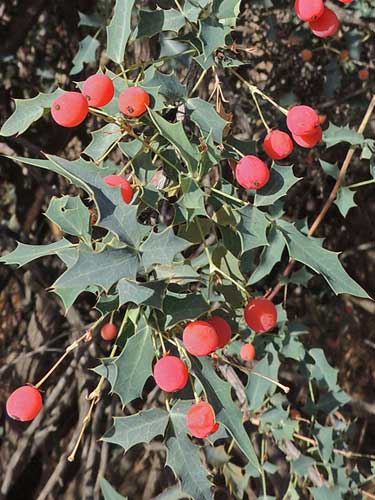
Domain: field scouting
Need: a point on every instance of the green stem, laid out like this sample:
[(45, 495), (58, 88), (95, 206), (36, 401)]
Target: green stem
[(229, 196), (360, 184)]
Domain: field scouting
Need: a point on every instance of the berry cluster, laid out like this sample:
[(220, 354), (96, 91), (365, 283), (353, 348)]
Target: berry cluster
[(71, 108), (304, 124), (323, 21)]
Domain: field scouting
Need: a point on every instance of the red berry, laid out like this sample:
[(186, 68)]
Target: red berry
[(260, 314), (309, 10), (363, 74), (327, 24), (247, 352), (170, 373), (24, 403), (309, 140), (252, 172), (98, 89), (200, 420), (200, 338), (126, 188), (69, 109), (302, 120), (108, 331), (277, 144), (345, 1), (222, 328), (306, 55), (133, 101)]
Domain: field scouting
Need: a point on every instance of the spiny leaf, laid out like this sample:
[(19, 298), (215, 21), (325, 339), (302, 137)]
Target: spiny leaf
[(345, 200), (212, 34), (226, 411), (102, 140), (129, 372), (252, 228), (86, 53), (175, 134), (26, 253), (183, 457), (119, 30), (270, 256), (139, 428), (71, 216), (334, 135), (281, 180), (149, 294), (310, 252), (109, 493), (226, 11), (161, 248), (99, 268), (208, 120), (27, 112), (182, 307), (152, 22)]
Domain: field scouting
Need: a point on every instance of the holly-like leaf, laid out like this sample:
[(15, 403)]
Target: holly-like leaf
[(208, 120), (168, 84), (119, 30), (330, 169), (129, 372), (71, 216), (90, 20), (152, 22), (102, 140), (310, 252), (99, 268), (252, 228), (270, 256), (212, 34), (183, 457), (182, 307), (149, 294), (24, 254), (139, 428), (226, 11), (175, 134), (345, 200), (86, 54), (161, 248), (226, 411), (27, 112), (257, 387), (281, 180), (334, 135), (109, 493), (176, 273)]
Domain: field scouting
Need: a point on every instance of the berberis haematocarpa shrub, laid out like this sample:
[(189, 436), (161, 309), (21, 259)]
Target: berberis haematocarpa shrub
[(177, 241)]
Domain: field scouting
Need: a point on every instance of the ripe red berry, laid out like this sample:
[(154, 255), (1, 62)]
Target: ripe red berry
[(327, 24), (108, 331), (223, 330), (98, 90), (133, 101), (200, 420), (306, 55), (24, 403), (302, 120), (252, 172), (126, 188), (277, 144), (260, 314), (309, 10), (200, 338), (363, 74), (69, 109), (247, 352), (309, 140), (170, 373)]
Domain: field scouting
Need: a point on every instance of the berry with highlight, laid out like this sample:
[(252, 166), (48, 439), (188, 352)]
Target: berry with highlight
[(327, 24), (247, 352), (126, 188), (223, 330), (134, 101), (302, 120), (309, 140), (200, 338), (252, 172), (309, 10), (200, 420), (260, 314), (171, 373), (108, 331), (277, 144), (69, 109), (24, 403), (98, 90)]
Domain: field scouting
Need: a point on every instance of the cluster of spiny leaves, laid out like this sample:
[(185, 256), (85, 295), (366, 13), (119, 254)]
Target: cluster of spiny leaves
[(191, 243)]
